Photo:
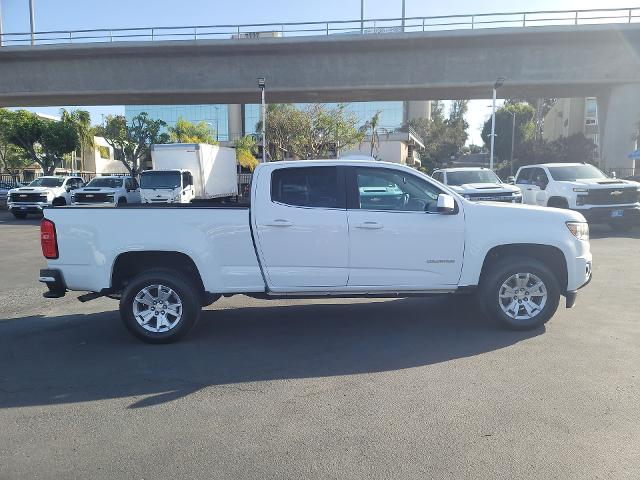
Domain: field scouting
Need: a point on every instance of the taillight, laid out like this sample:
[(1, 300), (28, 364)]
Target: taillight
[(48, 239)]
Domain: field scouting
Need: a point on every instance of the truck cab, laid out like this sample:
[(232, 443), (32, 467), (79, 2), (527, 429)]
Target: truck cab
[(478, 184), (42, 192), (584, 188), (167, 186), (108, 190)]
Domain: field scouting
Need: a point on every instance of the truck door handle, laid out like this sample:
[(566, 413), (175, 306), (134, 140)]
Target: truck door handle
[(369, 225), (279, 222)]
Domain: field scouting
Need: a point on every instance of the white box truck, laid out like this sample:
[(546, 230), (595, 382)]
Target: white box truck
[(183, 172)]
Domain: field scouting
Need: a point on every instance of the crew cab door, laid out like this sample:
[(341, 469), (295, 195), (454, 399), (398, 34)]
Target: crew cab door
[(132, 190), (397, 239), (301, 227)]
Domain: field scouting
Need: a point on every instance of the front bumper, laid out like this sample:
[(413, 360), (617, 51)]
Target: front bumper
[(27, 207), (630, 213), (54, 281)]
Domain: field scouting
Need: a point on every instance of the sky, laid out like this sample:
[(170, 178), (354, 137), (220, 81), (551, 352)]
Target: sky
[(88, 14)]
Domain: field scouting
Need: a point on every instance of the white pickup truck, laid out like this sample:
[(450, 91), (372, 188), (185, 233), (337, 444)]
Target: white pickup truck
[(40, 193), (583, 188), (108, 190), (318, 228)]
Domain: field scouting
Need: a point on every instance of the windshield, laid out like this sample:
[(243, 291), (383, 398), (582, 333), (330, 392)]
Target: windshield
[(471, 176), (105, 182), (575, 172), (47, 182), (159, 179)]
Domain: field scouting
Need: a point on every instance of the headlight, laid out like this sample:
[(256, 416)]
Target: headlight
[(177, 198), (73, 197), (580, 230), (580, 190), (517, 194), (466, 196)]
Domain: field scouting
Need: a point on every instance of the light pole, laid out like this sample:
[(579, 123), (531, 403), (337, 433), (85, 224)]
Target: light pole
[(403, 14), (261, 86), (33, 22), (361, 16), (0, 23), (513, 138), (496, 86)]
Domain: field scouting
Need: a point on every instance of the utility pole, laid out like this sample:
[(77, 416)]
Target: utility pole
[(0, 23), (33, 22), (261, 86), (361, 16), (496, 86), (513, 138)]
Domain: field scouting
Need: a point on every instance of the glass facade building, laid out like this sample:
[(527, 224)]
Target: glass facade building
[(391, 117), (216, 116)]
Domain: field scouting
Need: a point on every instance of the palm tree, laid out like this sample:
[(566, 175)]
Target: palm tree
[(372, 126), (81, 119)]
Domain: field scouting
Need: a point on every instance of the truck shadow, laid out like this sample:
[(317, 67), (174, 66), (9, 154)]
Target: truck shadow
[(78, 358)]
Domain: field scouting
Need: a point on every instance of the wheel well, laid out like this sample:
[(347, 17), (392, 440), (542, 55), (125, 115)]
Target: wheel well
[(558, 201), (552, 257), (130, 264)]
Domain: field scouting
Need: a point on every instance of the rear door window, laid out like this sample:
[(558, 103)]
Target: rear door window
[(524, 176), (308, 187)]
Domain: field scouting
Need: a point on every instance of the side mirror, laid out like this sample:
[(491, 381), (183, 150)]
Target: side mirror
[(612, 174), (511, 180), (446, 204)]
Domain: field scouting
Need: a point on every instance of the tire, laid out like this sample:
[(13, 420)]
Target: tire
[(512, 271), (558, 202), (19, 215), (59, 202), (155, 327), (122, 201)]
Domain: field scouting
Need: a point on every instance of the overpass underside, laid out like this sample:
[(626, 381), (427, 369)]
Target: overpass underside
[(594, 60)]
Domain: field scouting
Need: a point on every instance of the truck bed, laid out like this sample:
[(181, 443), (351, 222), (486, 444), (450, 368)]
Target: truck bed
[(217, 238)]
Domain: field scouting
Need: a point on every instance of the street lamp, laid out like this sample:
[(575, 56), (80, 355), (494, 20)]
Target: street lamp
[(513, 138), (32, 22), (496, 86), (261, 86)]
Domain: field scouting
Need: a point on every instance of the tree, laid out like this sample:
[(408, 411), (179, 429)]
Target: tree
[(312, 132), (185, 131), (132, 142), (12, 158), (246, 150), (443, 136), (371, 127), (572, 149), (44, 142), (81, 119), (525, 128)]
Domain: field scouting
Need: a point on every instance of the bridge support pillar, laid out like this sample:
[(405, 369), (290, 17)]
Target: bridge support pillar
[(619, 117)]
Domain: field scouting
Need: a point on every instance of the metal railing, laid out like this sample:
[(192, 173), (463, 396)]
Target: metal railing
[(332, 27)]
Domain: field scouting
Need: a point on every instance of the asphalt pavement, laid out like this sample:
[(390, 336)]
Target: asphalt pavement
[(406, 388)]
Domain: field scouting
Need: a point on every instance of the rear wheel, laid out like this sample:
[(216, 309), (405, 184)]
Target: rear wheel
[(19, 215), (160, 306), (520, 293)]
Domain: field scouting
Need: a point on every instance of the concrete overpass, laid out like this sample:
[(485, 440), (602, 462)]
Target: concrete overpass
[(593, 60)]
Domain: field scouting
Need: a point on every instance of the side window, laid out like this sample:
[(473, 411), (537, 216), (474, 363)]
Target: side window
[(307, 187), (539, 178), (127, 183), (386, 189), (134, 184), (187, 179), (439, 176), (524, 176)]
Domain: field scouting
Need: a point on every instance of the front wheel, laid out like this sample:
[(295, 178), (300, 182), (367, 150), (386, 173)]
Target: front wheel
[(19, 215), (160, 306), (520, 293)]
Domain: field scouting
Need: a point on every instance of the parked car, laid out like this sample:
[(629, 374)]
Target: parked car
[(4, 193), (42, 192), (327, 227), (583, 188), (633, 178), (478, 184), (111, 190)]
